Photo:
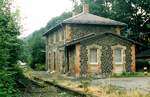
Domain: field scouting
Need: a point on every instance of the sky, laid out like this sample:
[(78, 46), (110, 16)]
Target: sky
[(36, 13)]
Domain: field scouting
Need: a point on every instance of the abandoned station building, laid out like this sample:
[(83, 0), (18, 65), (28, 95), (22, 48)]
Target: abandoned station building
[(86, 44)]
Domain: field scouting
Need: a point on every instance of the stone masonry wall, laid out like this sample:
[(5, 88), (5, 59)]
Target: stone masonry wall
[(81, 30), (106, 57), (55, 54)]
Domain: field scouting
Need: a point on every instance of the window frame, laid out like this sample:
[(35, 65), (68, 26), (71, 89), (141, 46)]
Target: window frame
[(94, 46), (96, 62), (123, 48), (121, 56)]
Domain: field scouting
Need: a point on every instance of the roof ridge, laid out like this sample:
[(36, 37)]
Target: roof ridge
[(88, 18)]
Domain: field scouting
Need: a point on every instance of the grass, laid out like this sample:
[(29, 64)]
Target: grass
[(111, 91), (131, 74)]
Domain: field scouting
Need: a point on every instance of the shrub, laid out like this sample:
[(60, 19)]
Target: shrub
[(130, 74), (40, 67), (8, 86)]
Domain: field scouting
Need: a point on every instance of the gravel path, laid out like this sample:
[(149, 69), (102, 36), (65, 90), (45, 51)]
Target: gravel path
[(141, 83), (130, 83)]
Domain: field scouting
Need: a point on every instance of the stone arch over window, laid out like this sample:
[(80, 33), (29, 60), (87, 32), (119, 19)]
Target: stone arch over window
[(94, 54), (118, 54)]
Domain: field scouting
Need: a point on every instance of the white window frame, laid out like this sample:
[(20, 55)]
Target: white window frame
[(94, 46), (120, 61), (123, 48), (90, 56)]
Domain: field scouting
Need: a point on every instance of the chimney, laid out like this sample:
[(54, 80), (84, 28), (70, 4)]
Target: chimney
[(85, 8)]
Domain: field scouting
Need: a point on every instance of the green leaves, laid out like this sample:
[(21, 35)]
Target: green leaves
[(9, 50), (8, 86), (8, 34)]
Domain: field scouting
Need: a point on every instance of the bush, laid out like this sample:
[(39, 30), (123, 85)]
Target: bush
[(8, 86), (40, 67), (130, 74)]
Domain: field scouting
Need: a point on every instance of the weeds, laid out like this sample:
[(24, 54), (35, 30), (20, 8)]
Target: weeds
[(130, 74), (111, 91)]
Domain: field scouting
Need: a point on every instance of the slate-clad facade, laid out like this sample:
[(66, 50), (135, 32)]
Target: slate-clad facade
[(87, 44)]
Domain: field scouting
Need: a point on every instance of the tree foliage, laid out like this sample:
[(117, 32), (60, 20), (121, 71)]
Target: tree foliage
[(9, 50), (9, 44), (36, 44)]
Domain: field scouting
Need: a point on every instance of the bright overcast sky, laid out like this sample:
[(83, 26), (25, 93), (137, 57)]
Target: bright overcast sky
[(36, 13)]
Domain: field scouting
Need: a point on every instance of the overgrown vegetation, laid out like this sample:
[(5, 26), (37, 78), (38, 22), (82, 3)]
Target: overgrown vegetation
[(9, 50), (131, 74), (111, 91), (8, 86)]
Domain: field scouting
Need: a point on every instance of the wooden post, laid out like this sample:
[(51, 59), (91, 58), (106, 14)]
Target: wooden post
[(133, 64), (77, 61)]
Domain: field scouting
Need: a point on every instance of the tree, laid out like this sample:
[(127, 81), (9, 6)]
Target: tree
[(8, 35), (9, 50), (134, 13), (37, 47), (56, 20)]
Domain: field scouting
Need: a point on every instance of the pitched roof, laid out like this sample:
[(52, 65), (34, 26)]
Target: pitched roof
[(99, 36), (87, 18)]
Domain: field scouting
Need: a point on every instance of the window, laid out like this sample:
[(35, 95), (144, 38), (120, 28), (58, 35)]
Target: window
[(54, 38), (118, 56), (57, 36), (62, 35), (93, 56), (50, 40)]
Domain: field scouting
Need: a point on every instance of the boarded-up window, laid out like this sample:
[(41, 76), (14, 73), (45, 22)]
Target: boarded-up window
[(57, 36), (60, 36), (118, 56), (93, 56), (50, 39), (54, 38)]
